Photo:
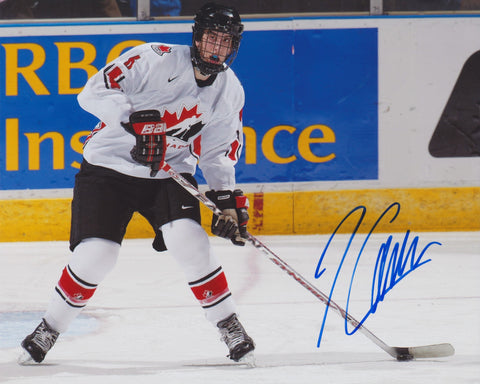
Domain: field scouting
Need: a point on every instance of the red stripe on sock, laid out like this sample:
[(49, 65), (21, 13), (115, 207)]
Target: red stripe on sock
[(74, 290), (212, 290)]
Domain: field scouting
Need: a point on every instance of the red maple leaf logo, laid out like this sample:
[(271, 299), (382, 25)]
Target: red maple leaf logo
[(161, 49), (172, 119)]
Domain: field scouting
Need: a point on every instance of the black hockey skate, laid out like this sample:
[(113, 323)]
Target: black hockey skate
[(236, 338), (37, 344)]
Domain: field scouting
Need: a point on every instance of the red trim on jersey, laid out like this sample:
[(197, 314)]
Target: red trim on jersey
[(232, 154), (113, 77), (98, 127), (197, 146)]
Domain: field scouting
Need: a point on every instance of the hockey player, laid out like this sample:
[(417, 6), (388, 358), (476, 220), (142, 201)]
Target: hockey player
[(158, 102)]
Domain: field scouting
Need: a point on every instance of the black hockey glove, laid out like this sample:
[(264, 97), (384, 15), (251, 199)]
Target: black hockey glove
[(232, 224), (150, 133)]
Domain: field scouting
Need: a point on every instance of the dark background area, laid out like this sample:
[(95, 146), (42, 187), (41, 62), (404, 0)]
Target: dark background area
[(31, 9)]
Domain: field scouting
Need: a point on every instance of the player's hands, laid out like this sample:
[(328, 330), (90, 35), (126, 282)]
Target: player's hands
[(150, 134), (232, 224)]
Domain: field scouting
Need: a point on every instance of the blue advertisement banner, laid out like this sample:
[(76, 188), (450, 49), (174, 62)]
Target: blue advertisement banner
[(311, 109)]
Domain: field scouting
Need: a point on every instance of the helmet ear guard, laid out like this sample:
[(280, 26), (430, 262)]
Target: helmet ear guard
[(218, 18)]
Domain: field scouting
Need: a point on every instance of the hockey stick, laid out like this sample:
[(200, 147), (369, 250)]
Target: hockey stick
[(400, 353)]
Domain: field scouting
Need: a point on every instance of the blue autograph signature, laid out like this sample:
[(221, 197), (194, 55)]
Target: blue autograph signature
[(393, 264)]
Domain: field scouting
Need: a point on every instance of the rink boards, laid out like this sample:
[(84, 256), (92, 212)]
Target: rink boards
[(307, 212), (343, 115)]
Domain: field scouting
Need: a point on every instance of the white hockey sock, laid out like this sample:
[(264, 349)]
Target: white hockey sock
[(90, 262), (201, 267)]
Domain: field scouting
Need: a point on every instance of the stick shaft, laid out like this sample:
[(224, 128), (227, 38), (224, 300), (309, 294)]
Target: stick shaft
[(282, 264)]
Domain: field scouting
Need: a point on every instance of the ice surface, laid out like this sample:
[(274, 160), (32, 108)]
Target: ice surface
[(144, 326)]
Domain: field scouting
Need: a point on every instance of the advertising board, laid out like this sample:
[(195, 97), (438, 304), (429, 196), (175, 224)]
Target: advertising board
[(310, 113)]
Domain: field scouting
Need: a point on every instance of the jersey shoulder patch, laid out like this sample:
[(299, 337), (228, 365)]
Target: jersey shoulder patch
[(161, 49)]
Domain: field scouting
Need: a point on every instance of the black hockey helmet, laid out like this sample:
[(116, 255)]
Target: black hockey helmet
[(219, 18)]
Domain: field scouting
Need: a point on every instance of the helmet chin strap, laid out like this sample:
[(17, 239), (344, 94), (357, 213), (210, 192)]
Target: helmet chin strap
[(203, 67), (201, 72)]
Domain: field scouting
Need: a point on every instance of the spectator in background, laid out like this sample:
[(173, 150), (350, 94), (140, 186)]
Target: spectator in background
[(17, 9), (46, 9), (124, 6)]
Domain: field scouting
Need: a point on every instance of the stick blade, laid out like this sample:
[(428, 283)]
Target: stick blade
[(429, 351), (424, 352)]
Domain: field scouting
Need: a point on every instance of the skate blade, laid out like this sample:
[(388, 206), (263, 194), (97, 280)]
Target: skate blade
[(248, 360), (26, 359)]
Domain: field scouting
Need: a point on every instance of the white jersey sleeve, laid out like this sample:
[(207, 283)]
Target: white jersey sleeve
[(106, 94)]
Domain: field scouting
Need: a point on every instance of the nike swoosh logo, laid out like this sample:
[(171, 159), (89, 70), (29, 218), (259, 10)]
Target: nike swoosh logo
[(187, 206), (170, 79)]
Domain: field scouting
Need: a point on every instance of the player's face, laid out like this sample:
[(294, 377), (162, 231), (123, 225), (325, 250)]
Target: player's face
[(215, 46)]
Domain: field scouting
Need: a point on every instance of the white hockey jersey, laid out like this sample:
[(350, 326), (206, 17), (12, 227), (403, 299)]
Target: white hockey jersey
[(204, 124)]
